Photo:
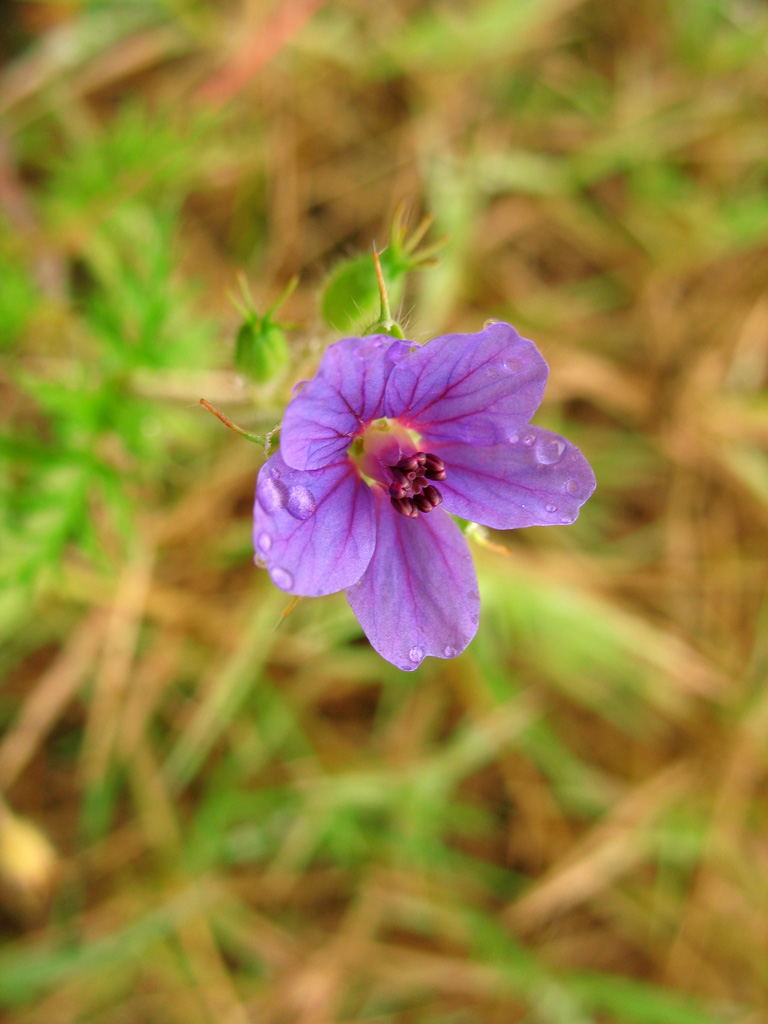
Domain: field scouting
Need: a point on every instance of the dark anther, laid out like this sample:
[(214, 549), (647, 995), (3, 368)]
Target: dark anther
[(406, 507), (409, 491), (434, 468), (433, 496)]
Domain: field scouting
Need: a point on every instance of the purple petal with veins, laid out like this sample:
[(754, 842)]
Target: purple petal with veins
[(536, 479), (315, 531), (474, 388), (419, 595), (347, 392)]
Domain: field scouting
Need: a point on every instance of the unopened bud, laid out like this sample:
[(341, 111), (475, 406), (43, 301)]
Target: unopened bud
[(261, 350), (261, 347), (350, 299)]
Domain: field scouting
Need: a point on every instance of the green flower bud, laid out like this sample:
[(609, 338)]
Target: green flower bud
[(261, 347), (350, 297), (261, 350), (352, 294)]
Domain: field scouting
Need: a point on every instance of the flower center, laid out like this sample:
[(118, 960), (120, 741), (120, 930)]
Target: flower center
[(386, 453), (410, 491)]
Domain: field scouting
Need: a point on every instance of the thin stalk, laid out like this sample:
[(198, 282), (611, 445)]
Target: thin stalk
[(256, 438)]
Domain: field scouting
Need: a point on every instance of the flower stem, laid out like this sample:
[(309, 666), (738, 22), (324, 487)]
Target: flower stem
[(385, 311), (385, 320), (256, 438)]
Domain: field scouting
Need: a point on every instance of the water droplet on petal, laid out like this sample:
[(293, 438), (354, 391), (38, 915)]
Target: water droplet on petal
[(514, 438), (274, 473), (301, 502), (549, 452), (513, 364), (550, 508), (573, 487), (281, 578), (416, 655), (264, 542), (272, 494), (449, 652), (529, 439)]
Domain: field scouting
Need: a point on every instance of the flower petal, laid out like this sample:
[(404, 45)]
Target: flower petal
[(316, 531), (419, 594), (347, 392), (536, 479), (475, 388)]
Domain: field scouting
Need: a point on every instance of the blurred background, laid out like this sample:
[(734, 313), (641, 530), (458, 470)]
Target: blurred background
[(214, 812)]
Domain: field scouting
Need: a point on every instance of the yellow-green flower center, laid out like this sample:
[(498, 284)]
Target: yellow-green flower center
[(382, 444), (387, 454)]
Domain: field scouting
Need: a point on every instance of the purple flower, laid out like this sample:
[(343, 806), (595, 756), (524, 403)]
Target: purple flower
[(377, 449)]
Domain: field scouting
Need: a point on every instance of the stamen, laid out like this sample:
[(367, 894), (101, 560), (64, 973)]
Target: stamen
[(433, 467), (423, 504), (433, 496), (409, 491), (406, 507)]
